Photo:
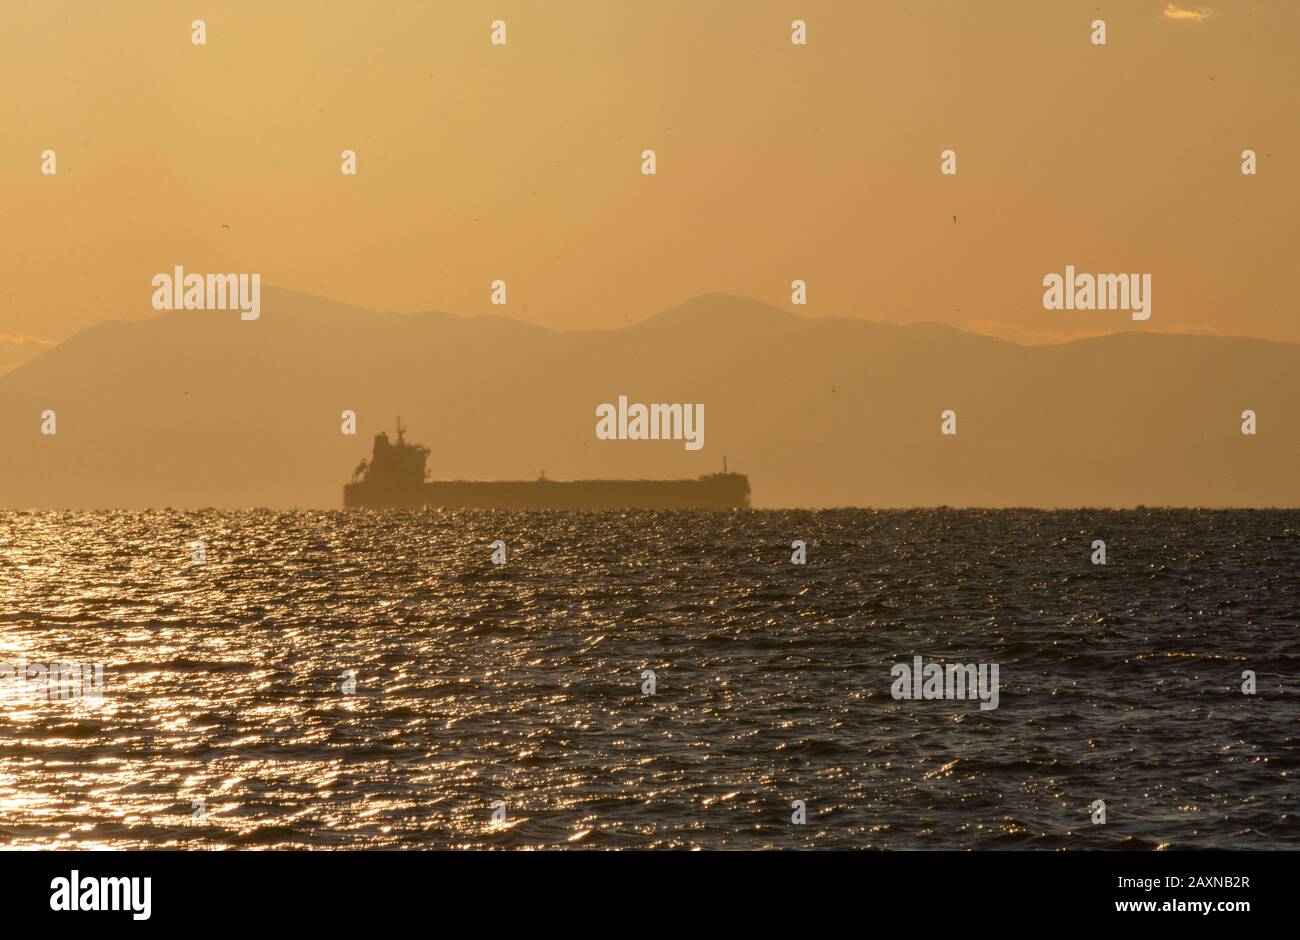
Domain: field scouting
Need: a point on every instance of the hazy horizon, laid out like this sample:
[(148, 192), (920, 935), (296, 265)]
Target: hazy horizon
[(1040, 339), (192, 410)]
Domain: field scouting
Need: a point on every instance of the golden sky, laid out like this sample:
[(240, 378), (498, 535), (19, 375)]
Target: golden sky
[(775, 162)]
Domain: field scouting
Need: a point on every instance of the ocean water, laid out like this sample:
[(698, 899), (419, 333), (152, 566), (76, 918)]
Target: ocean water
[(224, 682)]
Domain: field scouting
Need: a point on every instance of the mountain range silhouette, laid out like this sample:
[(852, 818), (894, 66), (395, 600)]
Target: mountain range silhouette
[(194, 409)]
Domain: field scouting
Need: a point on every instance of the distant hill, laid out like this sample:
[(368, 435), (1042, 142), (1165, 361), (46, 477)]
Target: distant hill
[(200, 408)]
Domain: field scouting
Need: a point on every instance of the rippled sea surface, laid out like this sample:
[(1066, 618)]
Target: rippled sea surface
[(523, 683)]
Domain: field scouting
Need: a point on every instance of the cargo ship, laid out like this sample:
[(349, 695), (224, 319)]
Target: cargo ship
[(395, 478)]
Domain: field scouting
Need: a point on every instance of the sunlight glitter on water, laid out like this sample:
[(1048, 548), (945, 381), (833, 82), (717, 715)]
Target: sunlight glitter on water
[(225, 683)]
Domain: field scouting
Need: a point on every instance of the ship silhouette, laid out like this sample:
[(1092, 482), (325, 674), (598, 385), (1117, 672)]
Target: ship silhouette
[(395, 478)]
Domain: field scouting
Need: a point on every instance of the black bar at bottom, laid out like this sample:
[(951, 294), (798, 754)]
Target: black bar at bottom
[(339, 889)]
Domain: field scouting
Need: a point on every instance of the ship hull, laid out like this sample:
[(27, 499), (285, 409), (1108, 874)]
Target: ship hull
[(716, 492)]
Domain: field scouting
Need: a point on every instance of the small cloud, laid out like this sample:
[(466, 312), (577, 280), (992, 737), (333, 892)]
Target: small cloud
[(1028, 336), (15, 349), (1178, 14)]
